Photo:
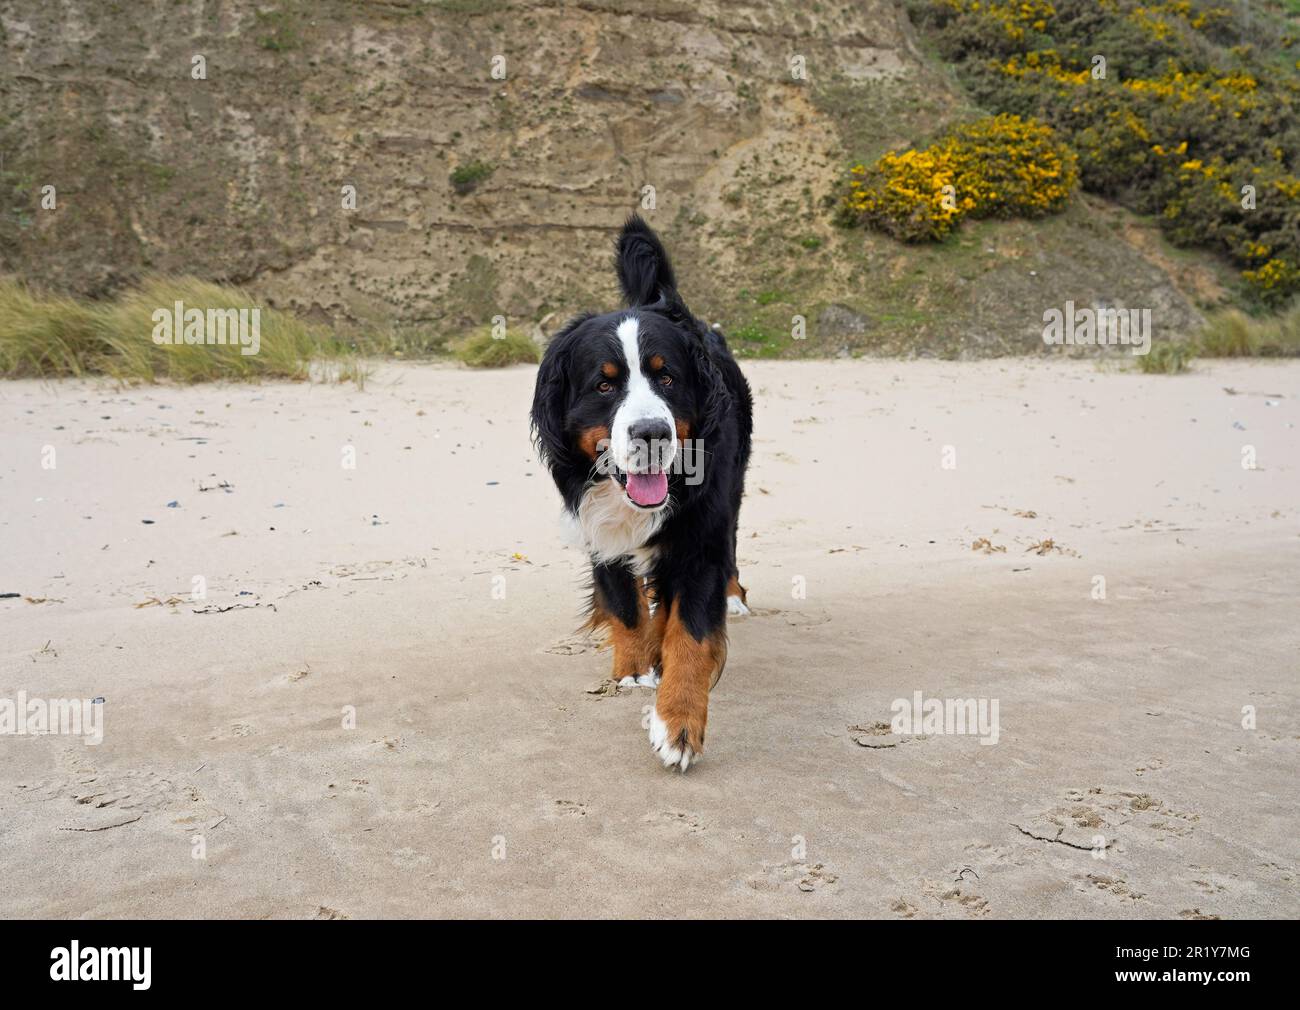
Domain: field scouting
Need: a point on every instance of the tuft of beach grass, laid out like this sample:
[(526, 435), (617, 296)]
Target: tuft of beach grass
[(483, 350), (50, 336)]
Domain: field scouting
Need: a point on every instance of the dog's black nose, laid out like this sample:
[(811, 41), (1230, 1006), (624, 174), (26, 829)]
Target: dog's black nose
[(650, 444), (650, 431)]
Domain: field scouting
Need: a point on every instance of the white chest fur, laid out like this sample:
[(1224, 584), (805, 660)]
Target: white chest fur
[(608, 528)]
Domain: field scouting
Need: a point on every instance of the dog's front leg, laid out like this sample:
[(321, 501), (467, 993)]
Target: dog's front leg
[(694, 653)]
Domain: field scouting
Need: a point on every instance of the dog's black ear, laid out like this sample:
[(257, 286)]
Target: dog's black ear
[(644, 272), (551, 396), (715, 397)]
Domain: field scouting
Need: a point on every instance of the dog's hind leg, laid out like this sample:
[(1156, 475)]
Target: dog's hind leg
[(737, 599), (620, 604)]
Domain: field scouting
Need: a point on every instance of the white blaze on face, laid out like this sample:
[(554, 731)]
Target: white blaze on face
[(642, 403)]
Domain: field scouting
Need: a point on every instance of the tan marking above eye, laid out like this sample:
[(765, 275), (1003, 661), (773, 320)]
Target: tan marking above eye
[(656, 362), (609, 370)]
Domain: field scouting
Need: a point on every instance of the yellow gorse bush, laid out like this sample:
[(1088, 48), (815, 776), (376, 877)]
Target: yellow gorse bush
[(999, 166), (1014, 17), (1185, 109), (1280, 275), (910, 194), (1045, 62)]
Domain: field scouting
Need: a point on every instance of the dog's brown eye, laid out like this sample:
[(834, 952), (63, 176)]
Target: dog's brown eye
[(665, 379), (604, 387)]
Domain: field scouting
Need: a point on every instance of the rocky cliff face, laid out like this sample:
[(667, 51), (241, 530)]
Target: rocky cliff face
[(493, 146)]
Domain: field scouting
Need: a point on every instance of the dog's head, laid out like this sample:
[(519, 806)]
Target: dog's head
[(622, 395)]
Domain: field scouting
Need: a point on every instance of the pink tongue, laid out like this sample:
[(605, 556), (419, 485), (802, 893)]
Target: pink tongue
[(647, 488)]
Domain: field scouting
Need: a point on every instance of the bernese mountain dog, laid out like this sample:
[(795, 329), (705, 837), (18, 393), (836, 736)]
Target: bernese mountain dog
[(643, 418)]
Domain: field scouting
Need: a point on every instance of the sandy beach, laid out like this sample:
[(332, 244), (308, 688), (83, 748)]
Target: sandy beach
[(355, 691)]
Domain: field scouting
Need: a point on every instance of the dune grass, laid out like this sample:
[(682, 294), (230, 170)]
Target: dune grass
[(46, 336), (1232, 333), (1167, 358), (483, 350), (384, 337)]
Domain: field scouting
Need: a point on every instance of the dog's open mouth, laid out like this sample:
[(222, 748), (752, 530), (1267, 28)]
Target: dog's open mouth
[(644, 490)]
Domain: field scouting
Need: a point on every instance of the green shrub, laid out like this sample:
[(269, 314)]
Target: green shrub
[(280, 26), (465, 177)]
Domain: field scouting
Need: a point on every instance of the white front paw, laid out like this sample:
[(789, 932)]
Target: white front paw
[(674, 754)]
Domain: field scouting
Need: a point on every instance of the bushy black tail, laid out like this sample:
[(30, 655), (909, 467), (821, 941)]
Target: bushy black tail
[(644, 272)]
